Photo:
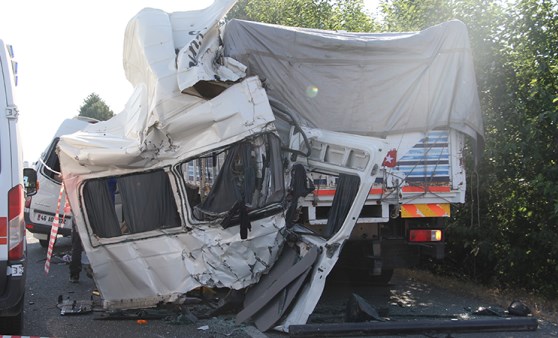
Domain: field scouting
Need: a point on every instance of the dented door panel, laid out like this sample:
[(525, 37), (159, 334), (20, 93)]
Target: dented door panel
[(370, 153)]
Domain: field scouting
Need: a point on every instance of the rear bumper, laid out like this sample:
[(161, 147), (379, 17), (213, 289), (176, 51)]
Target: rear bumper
[(11, 300), (37, 228)]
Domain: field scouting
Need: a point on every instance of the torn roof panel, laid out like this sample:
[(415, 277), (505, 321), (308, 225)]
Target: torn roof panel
[(126, 143), (160, 122)]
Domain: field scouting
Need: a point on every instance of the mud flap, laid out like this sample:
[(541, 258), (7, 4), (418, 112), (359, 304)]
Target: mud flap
[(267, 301)]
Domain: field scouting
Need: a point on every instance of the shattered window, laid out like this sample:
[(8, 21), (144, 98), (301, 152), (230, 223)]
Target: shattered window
[(51, 161), (130, 204), (241, 179)]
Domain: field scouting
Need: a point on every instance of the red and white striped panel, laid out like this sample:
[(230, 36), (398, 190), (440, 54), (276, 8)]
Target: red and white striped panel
[(425, 210)]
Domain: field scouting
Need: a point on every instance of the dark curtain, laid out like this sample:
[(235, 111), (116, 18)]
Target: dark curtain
[(300, 187), (236, 182), (347, 188), (277, 189), (100, 208), (229, 185), (148, 202)]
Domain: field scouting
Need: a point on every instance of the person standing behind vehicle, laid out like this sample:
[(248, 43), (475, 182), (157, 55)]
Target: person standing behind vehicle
[(77, 248)]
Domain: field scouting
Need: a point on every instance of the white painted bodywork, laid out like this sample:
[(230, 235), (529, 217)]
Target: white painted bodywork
[(11, 159), (130, 273), (159, 127), (167, 122), (371, 153)]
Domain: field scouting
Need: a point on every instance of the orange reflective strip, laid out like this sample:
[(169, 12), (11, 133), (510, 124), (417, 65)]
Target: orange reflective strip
[(376, 191), (409, 210), (441, 210), (324, 192), (379, 191), (331, 192), (430, 189), (425, 210)]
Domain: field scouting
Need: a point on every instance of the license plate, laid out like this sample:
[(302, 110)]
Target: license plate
[(48, 219), (17, 270)]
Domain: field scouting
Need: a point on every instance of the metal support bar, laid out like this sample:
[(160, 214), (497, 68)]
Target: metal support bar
[(430, 326)]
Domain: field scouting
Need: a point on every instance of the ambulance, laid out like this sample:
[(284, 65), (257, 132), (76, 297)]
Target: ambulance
[(12, 189)]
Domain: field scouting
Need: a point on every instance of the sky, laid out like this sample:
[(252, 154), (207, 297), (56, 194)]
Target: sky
[(66, 50)]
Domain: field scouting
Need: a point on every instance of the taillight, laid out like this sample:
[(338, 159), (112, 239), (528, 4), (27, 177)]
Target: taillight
[(420, 235), (16, 226)]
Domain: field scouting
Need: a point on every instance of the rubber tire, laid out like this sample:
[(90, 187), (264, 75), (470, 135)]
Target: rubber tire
[(44, 243), (13, 325)]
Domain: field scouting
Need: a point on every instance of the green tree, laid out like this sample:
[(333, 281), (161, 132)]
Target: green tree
[(508, 232), (348, 15), (523, 152), (410, 15), (93, 106)]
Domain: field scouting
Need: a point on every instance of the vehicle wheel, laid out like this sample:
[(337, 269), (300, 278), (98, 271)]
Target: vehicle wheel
[(13, 325), (43, 243)]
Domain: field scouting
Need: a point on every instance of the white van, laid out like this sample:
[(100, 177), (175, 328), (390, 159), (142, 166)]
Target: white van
[(13, 246), (41, 208)]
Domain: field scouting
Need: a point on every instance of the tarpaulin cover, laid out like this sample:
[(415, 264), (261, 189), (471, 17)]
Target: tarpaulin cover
[(363, 83)]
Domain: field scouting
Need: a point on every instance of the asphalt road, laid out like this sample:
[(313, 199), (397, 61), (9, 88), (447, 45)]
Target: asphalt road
[(403, 300)]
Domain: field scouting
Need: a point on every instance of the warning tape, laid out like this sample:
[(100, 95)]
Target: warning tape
[(55, 226), (379, 191), (22, 336)]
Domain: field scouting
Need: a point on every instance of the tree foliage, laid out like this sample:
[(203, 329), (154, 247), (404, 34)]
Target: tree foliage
[(523, 148), (508, 232), (348, 15), (94, 107)]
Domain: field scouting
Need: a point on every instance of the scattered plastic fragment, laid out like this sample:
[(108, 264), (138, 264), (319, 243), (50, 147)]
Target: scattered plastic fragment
[(74, 307), (67, 258), (359, 310), (517, 308), (489, 311)]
